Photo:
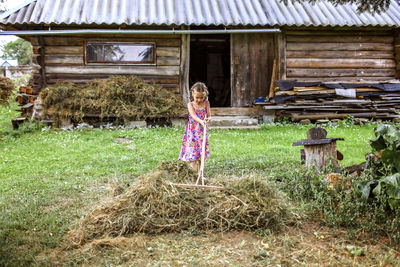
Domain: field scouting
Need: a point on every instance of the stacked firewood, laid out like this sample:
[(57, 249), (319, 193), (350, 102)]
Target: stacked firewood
[(314, 101), (25, 100)]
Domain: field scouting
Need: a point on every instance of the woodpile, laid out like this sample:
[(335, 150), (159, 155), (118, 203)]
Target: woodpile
[(317, 100), (25, 99)]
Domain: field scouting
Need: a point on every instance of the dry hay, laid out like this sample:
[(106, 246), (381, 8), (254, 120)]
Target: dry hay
[(153, 204), (6, 89), (127, 97)]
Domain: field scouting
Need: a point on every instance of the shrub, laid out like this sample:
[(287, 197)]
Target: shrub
[(6, 89)]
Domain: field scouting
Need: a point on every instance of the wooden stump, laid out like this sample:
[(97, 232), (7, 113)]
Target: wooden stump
[(321, 155)]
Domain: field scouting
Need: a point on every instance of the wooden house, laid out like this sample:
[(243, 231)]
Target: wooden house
[(231, 45)]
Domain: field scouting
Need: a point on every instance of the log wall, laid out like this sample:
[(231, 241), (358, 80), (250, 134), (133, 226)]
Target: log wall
[(63, 59), (340, 55)]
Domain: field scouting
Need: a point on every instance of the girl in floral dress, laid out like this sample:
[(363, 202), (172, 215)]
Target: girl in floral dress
[(199, 116)]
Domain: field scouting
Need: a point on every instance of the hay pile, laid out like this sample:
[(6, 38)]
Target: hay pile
[(6, 89), (154, 205), (127, 97)]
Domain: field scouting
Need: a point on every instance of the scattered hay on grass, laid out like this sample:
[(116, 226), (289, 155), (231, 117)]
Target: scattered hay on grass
[(6, 89), (154, 205), (127, 97)]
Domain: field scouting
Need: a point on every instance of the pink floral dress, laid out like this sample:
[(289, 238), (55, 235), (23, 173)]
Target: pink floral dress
[(193, 137)]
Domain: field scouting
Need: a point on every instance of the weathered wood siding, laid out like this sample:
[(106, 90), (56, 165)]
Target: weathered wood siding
[(397, 52), (252, 57), (340, 55), (63, 59)]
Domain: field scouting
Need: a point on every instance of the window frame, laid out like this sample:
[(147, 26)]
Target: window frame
[(152, 44)]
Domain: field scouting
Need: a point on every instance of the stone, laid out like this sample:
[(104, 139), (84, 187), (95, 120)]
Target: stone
[(360, 121), (322, 121), (268, 119), (136, 124), (66, 124), (305, 122), (178, 122), (396, 120)]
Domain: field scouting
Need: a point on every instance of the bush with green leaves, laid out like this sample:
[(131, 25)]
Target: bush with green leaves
[(383, 168), (371, 205)]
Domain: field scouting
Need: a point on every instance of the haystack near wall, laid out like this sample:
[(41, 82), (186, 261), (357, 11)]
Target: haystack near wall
[(62, 58)]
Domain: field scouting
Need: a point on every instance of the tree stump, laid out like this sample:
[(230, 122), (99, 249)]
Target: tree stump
[(319, 151)]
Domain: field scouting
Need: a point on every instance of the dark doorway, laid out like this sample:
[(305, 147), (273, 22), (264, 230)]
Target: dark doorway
[(210, 63)]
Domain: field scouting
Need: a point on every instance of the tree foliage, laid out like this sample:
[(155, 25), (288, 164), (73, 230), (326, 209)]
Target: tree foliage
[(20, 50), (363, 5)]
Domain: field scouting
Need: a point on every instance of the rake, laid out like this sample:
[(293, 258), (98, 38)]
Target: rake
[(201, 171)]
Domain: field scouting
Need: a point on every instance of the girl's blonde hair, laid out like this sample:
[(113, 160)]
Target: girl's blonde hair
[(199, 87)]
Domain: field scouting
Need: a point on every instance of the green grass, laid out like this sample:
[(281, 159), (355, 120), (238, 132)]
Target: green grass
[(49, 179)]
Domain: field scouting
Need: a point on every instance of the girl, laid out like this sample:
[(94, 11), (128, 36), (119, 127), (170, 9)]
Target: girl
[(199, 115)]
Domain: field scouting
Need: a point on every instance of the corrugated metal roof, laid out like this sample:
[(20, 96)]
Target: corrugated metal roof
[(198, 12)]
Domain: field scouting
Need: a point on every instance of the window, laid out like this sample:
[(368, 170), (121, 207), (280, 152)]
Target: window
[(134, 53)]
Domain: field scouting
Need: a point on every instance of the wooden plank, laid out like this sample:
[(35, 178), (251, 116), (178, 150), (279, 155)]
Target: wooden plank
[(64, 59), (42, 62), (340, 63), (64, 50), (340, 46), (115, 70), (273, 80), (244, 111), (322, 91), (168, 61), (168, 52), (184, 68), (339, 54), (282, 55), (312, 38), (344, 79), (321, 72), (298, 117)]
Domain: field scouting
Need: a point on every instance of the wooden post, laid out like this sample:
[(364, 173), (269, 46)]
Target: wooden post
[(321, 155), (42, 63), (184, 68), (397, 52)]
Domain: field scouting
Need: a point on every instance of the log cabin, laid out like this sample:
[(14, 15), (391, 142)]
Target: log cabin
[(239, 48)]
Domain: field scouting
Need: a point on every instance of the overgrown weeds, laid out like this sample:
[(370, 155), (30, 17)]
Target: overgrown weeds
[(368, 205)]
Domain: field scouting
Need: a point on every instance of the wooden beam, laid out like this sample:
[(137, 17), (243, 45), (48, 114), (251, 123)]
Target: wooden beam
[(184, 68), (340, 63), (339, 54), (340, 46), (351, 72), (313, 38), (115, 70)]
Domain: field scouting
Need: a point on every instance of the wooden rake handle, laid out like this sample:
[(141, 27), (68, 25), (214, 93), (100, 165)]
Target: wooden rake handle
[(203, 152)]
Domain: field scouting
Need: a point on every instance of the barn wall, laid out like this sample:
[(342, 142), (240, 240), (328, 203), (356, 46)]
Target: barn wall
[(62, 59), (252, 57), (340, 55)]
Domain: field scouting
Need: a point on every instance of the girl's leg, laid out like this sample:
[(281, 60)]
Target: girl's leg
[(193, 165)]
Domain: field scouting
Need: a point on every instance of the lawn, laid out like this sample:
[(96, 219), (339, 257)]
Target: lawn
[(51, 178)]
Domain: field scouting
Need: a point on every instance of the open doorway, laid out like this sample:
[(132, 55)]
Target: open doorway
[(210, 63)]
